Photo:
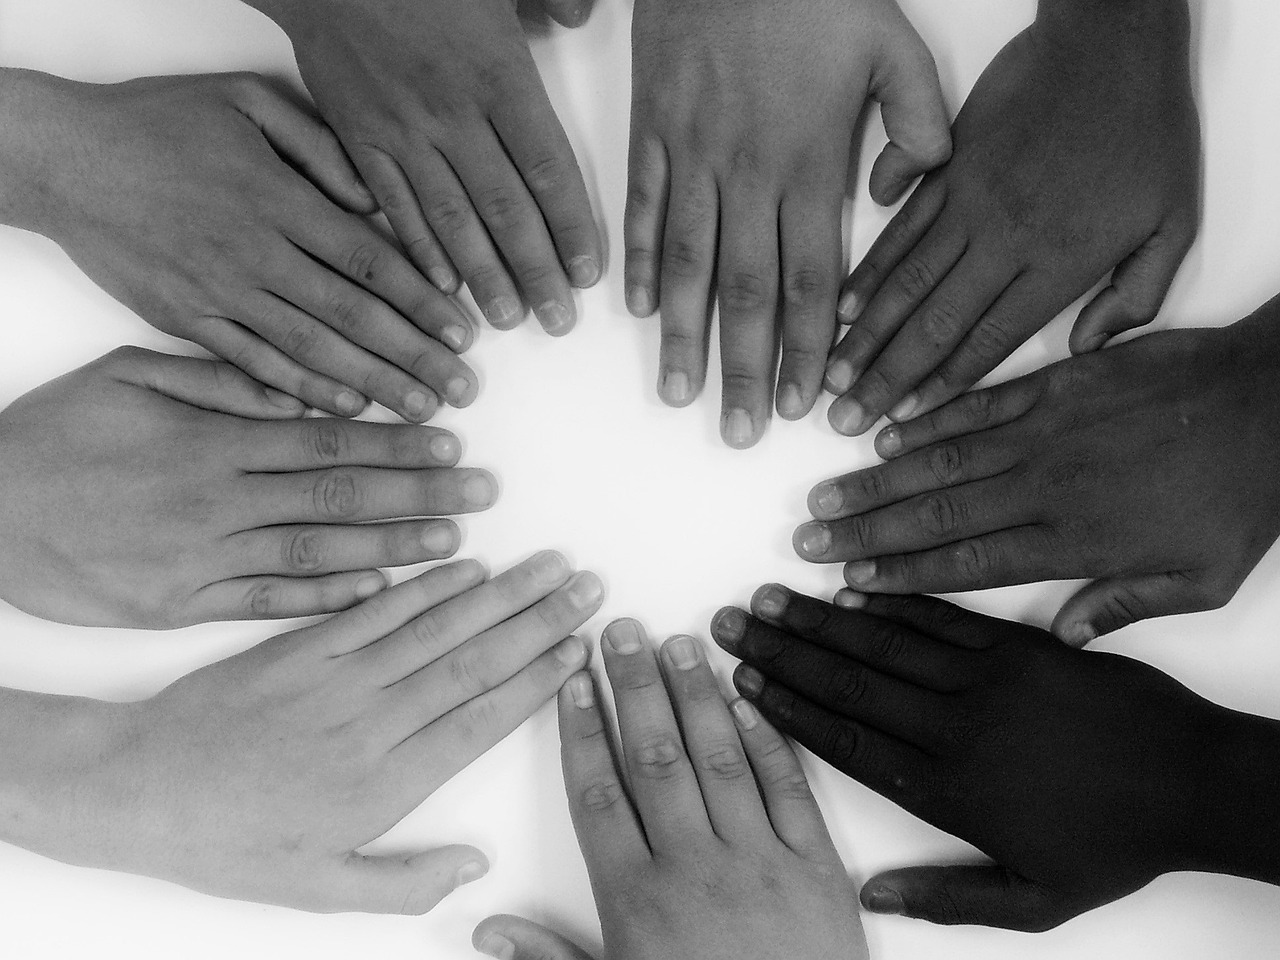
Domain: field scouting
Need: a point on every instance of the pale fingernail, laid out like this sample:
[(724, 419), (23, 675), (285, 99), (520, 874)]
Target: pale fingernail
[(571, 652), (771, 602), (440, 539), (479, 491), (1079, 635), (738, 429), (554, 317), (906, 407), (746, 714), (445, 449), (503, 312), (368, 586), (639, 301), (839, 376), (860, 572), (675, 388), (849, 308), (349, 402), (683, 653), (889, 442), (469, 872), (583, 271), (814, 540), (849, 599), (828, 498), (749, 681), (497, 946), (582, 692), (456, 391), (846, 416), (729, 625), (455, 337), (791, 402), (416, 404), (585, 589), (884, 900), (549, 567), (623, 637), (443, 279)]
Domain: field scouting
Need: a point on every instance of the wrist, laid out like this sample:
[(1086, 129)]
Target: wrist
[(38, 117), (1099, 26)]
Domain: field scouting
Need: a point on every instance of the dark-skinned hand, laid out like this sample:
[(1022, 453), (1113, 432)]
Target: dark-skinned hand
[(1076, 154)]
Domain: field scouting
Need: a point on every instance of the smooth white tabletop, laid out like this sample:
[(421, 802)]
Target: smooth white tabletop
[(677, 524)]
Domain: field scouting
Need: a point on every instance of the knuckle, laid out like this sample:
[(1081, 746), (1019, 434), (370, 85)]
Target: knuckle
[(426, 632), (601, 796), (745, 292), (941, 321), (972, 560), (980, 408), (871, 486), (262, 600), (448, 215), (326, 440), (884, 644), (466, 673), (946, 463), (847, 686), (302, 551), (363, 262), (683, 259), (991, 339), (858, 535), (658, 757), (300, 342), (539, 274), (739, 381), (480, 714), (336, 494), (914, 278), (342, 312), (500, 208), (725, 762), (805, 286), (839, 742), (546, 175)]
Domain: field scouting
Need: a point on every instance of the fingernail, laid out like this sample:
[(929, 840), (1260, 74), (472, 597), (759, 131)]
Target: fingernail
[(456, 391), (748, 680), (503, 312), (469, 873), (906, 407), (349, 402), (639, 301), (683, 653), (828, 498), (456, 337), (850, 599), (416, 405), (368, 586), (1079, 635), (584, 590), (771, 602), (440, 539), (738, 429), (479, 491), (445, 449), (847, 416), (791, 402), (443, 279), (582, 692), (813, 540), (849, 307), (746, 714), (554, 317), (861, 572), (571, 652), (583, 271), (549, 567), (889, 442), (675, 388), (498, 946), (729, 625), (839, 376), (623, 637), (283, 400), (885, 900)]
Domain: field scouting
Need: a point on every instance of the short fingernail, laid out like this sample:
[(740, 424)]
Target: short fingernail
[(849, 307), (847, 417), (440, 539), (729, 625), (479, 491), (906, 407), (571, 652), (443, 279), (885, 900), (497, 946), (623, 637), (639, 301), (368, 586), (771, 602), (583, 271), (1079, 635), (503, 312), (469, 872), (683, 652), (791, 402), (839, 377), (455, 337), (861, 572), (746, 714), (738, 429), (847, 599), (749, 681), (582, 692), (675, 388), (456, 391), (554, 317), (889, 442), (445, 449), (828, 498), (416, 405), (549, 567), (813, 540), (584, 590), (349, 402)]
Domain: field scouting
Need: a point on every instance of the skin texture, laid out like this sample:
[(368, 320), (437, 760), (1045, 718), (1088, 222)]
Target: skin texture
[(368, 713), (154, 491), (715, 850), (743, 117), (1149, 469), (1082, 775), (222, 213), (1077, 152), (440, 106)]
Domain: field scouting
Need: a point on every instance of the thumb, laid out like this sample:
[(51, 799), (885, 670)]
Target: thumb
[(986, 896), (1107, 605), (514, 938), (405, 884), (568, 13), (1137, 290), (208, 384), (915, 118)]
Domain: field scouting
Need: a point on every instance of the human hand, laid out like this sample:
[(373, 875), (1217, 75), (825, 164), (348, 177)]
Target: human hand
[(213, 207), (1138, 468), (440, 105), (716, 850), (1077, 152), (147, 490), (1082, 775), (261, 777), (742, 119)]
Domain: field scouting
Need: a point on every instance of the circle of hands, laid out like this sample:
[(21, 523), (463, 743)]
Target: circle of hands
[(224, 212)]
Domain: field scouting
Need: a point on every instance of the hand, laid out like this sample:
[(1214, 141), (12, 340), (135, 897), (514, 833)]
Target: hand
[(183, 198), (364, 716), (742, 119), (150, 491), (1077, 152), (441, 107), (1082, 775), (1101, 466), (716, 851)]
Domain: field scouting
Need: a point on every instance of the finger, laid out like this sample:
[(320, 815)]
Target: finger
[(568, 13), (1137, 290), (729, 788), (396, 199), (970, 414), (647, 185), (535, 140), (748, 296), (987, 896), (1107, 605), (514, 938), (278, 598), (361, 494), (915, 118), (269, 365), (320, 442), (309, 551), (789, 800), (206, 384), (664, 786), (811, 251), (907, 228), (929, 617), (607, 825), (688, 261), (409, 885)]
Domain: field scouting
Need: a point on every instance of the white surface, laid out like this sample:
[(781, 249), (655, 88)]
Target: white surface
[(676, 524)]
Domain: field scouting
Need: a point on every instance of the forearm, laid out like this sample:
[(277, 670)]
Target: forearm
[(36, 116)]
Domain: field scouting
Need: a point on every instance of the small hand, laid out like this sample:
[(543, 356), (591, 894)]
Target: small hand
[(1077, 152), (710, 844), (155, 491), (1082, 775), (742, 119), (1139, 467), (214, 208)]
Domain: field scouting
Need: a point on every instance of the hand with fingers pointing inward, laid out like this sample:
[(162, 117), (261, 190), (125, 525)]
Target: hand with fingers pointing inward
[(1077, 155), (704, 841), (262, 777), (226, 215), (1084, 776), (155, 491), (742, 121)]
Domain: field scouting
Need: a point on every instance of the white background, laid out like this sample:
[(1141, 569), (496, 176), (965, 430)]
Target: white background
[(676, 524)]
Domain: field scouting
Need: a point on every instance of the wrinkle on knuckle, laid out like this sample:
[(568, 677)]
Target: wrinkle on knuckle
[(914, 278), (884, 644), (299, 342), (342, 312), (726, 762), (940, 515), (871, 485), (336, 495), (465, 673), (500, 208), (971, 560), (363, 262), (601, 795), (991, 339), (805, 286), (261, 600), (546, 175), (840, 743), (744, 291), (303, 551), (941, 321), (858, 535), (946, 463), (448, 215), (658, 757), (326, 440), (683, 259), (847, 686)]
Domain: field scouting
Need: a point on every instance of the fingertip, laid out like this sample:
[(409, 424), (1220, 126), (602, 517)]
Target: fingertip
[(770, 601), (880, 898), (847, 599)]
